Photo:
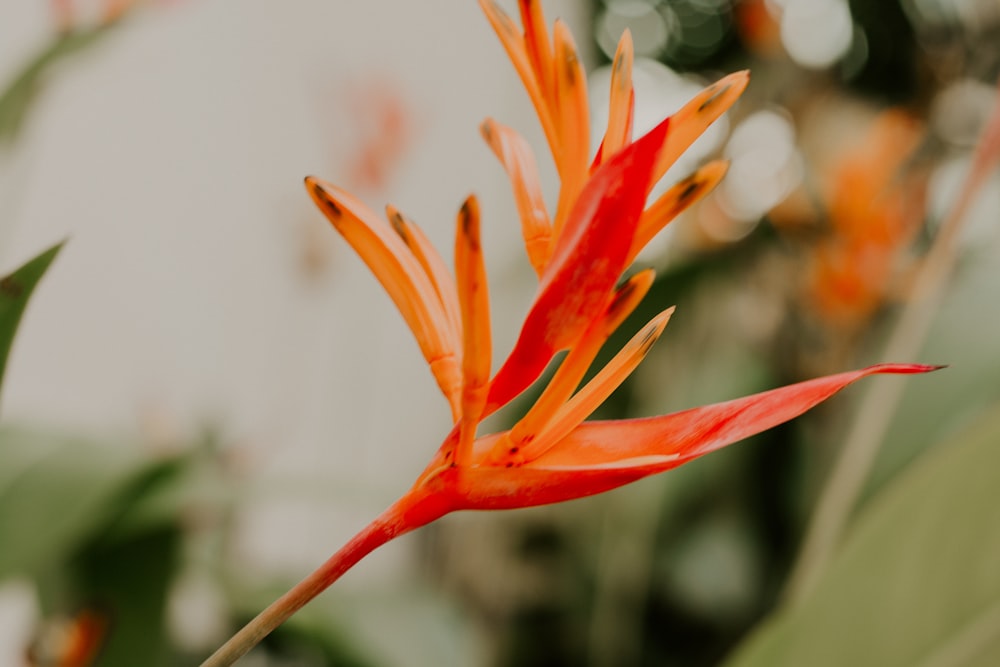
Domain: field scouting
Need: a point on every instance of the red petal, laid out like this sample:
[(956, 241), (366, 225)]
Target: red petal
[(587, 260), (599, 456), (692, 433)]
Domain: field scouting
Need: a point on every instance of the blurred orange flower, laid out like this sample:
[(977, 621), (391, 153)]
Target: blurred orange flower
[(875, 207)]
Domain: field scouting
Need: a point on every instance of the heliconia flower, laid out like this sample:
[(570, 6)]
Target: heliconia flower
[(580, 253)]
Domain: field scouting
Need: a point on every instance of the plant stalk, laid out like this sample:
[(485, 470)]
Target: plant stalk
[(388, 525)]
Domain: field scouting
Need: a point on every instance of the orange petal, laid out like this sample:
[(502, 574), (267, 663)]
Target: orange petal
[(620, 108), (513, 43), (519, 162), (473, 296), (586, 262), (433, 265), (536, 43), (672, 202), (572, 118), (599, 456), (695, 117), (595, 392), (572, 369), (401, 275)]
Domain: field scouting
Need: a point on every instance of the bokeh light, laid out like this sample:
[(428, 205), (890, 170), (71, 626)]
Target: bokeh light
[(766, 166), (681, 33), (816, 33), (959, 112)]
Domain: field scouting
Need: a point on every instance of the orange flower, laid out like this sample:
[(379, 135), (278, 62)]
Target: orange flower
[(580, 252), (874, 211)]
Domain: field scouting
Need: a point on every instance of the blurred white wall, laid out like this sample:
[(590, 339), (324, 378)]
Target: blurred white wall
[(172, 156)]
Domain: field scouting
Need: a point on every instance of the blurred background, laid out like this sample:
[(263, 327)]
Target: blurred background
[(209, 394)]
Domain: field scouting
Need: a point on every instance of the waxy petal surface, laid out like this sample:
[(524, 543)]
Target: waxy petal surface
[(473, 296), (602, 455), (698, 431), (401, 275), (674, 201), (579, 358), (588, 258), (694, 117), (573, 153), (513, 42), (621, 101), (518, 161), (433, 264)]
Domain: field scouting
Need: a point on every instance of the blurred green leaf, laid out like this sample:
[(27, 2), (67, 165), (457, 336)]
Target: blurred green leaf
[(15, 290), (55, 492), (129, 581), (916, 582), (100, 527)]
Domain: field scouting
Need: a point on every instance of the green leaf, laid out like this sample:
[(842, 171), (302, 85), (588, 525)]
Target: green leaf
[(55, 492), (916, 582), (129, 580), (15, 290)]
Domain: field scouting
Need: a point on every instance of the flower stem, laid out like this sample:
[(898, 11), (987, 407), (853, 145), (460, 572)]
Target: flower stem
[(390, 524), (868, 430)]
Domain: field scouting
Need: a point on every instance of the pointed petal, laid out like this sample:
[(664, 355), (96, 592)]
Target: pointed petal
[(672, 202), (513, 43), (595, 392), (694, 117), (473, 295), (620, 109), (519, 162), (600, 456), (571, 370), (587, 260), (536, 43), (692, 433), (572, 118), (401, 276), (433, 265), (578, 360)]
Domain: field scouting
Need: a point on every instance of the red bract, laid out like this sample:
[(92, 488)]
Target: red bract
[(580, 252)]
